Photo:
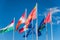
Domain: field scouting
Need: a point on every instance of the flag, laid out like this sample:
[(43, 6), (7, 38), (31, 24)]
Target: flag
[(8, 28), (31, 17), (42, 25), (21, 20), (44, 21), (47, 19)]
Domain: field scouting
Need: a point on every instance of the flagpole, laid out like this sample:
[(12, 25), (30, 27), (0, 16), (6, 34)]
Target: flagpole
[(51, 26), (46, 30), (2, 37), (36, 24), (32, 31), (13, 28), (25, 20)]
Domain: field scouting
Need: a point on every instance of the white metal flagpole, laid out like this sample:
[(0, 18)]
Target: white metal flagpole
[(13, 28), (36, 24), (32, 29), (51, 25), (25, 20)]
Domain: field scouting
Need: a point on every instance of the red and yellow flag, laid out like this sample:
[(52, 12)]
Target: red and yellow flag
[(31, 16)]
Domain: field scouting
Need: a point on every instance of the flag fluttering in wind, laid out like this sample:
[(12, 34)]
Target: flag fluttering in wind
[(31, 17), (44, 21), (42, 24), (41, 27), (8, 28), (21, 20), (47, 19)]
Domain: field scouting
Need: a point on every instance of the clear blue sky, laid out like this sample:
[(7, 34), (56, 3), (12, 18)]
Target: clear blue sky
[(15, 8)]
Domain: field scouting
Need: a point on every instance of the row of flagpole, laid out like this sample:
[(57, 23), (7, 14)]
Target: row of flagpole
[(36, 26)]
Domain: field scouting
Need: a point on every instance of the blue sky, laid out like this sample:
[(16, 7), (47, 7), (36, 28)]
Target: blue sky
[(15, 8)]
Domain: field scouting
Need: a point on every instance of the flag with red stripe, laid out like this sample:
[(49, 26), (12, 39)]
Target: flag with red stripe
[(21, 20)]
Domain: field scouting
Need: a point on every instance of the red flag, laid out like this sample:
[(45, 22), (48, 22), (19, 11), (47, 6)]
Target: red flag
[(47, 19), (21, 20)]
